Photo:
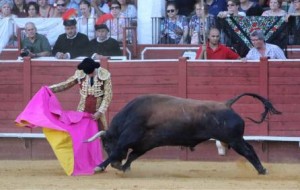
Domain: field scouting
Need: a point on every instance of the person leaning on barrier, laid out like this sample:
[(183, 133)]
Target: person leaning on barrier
[(103, 45), (214, 49), (71, 44), (34, 44), (263, 49), (95, 89)]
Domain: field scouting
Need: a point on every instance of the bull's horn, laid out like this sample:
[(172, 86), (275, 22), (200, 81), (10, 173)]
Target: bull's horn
[(99, 134)]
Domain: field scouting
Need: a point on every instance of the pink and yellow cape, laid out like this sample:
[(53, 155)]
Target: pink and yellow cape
[(65, 131)]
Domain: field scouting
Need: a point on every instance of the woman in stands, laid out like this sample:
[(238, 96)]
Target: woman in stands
[(174, 27), (6, 9), (19, 8), (6, 12), (232, 9), (128, 9), (60, 8), (99, 7), (296, 5), (294, 31), (275, 9), (45, 9), (250, 8), (86, 22), (32, 10), (200, 22), (116, 23)]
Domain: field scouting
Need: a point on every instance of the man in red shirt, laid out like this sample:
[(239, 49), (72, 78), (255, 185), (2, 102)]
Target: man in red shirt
[(214, 49)]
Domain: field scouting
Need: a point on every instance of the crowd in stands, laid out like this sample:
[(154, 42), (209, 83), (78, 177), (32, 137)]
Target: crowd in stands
[(175, 25), (123, 12), (186, 21), (193, 27), (70, 44)]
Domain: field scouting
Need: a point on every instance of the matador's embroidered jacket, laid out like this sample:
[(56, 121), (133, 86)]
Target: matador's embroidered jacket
[(94, 97)]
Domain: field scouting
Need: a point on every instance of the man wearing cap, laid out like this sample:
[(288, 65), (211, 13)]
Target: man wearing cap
[(103, 45), (71, 44), (95, 89)]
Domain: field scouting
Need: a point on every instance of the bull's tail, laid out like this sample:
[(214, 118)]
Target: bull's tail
[(268, 105)]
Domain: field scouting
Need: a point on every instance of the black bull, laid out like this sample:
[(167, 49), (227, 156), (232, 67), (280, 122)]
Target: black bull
[(151, 121)]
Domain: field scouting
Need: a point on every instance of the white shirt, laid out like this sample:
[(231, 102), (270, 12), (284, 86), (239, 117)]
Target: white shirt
[(272, 52)]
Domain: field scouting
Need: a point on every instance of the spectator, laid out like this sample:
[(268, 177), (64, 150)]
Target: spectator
[(95, 89), (19, 8), (294, 31), (86, 21), (32, 10), (6, 9), (73, 4), (198, 25), (175, 27), (232, 9), (214, 49), (103, 45), (296, 11), (60, 8), (34, 44), (45, 9), (117, 21), (275, 9), (71, 44), (263, 49), (291, 7), (6, 12), (185, 7), (216, 6), (127, 9), (250, 8), (99, 7)]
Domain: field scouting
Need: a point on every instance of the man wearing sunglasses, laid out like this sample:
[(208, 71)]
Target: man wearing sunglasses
[(61, 6)]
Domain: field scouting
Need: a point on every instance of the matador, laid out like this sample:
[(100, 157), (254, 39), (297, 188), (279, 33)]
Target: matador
[(95, 89)]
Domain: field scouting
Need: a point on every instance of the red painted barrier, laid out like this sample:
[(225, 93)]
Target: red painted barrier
[(277, 80)]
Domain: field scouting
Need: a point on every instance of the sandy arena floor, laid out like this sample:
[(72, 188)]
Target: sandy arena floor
[(151, 174)]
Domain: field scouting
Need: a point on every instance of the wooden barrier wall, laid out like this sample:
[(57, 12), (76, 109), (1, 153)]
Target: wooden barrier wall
[(279, 81)]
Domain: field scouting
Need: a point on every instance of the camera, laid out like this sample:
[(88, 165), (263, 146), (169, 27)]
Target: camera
[(25, 52)]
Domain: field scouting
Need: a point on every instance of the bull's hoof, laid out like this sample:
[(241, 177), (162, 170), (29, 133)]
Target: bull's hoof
[(116, 165), (99, 169), (263, 171), (125, 169)]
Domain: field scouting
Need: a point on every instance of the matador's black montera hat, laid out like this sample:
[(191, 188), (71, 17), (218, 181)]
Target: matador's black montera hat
[(88, 65)]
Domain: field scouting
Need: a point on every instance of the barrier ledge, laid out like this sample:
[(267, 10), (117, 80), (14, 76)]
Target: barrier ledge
[(248, 138)]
